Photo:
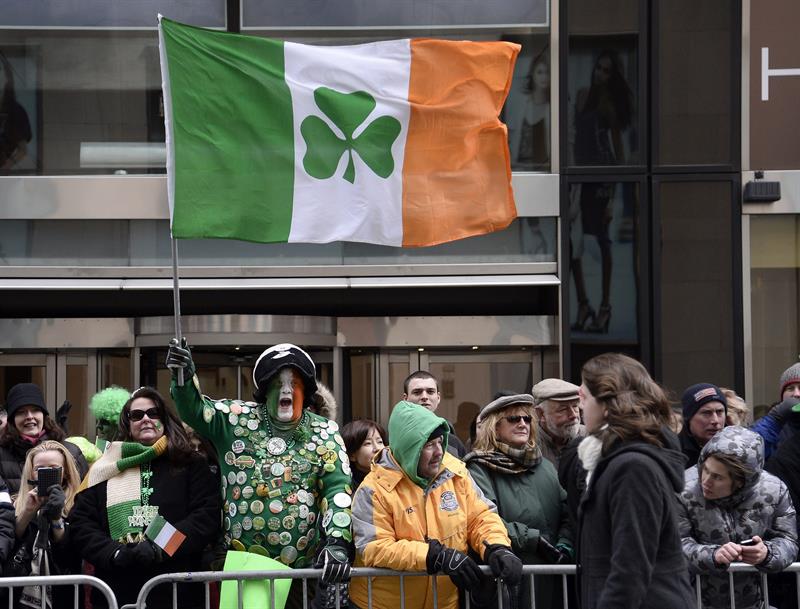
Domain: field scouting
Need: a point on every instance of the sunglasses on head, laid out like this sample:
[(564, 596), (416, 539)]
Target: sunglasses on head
[(516, 418), (138, 415)]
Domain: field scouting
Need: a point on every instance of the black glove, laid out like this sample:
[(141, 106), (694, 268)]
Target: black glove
[(461, 569), (179, 357), (54, 506), (503, 563), (334, 560), (780, 412), (61, 415), (142, 554), (549, 552)]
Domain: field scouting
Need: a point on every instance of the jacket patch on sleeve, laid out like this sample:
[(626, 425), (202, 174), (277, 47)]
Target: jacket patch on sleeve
[(448, 502)]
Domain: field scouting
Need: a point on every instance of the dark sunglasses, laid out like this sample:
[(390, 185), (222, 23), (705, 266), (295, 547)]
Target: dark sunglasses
[(515, 418), (152, 414)]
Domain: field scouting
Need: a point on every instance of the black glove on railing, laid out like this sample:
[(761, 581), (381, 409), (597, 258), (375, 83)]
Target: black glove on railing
[(334, 560), (503, 563), (54, 506), (461, 569), (549, 552), (781, 412), (179, 357)]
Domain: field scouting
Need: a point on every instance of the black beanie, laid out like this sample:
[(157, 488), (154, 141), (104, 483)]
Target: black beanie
[(697, 395), (24, 394), (436, 433)]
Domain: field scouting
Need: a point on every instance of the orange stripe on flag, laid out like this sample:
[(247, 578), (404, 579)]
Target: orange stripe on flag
[(457, 171), (174, 542)]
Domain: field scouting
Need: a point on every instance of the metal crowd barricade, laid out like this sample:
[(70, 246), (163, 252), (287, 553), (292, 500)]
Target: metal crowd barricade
[(529, 573), (52, 581), (740, 567), (240, 577)]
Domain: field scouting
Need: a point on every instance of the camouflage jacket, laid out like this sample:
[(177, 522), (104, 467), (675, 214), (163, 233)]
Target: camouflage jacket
[(761, 507)]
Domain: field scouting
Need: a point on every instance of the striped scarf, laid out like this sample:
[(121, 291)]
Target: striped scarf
[(119, 467)]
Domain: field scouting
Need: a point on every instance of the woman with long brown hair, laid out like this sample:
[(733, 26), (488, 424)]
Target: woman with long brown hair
[(629, 549), (29, 424), (152, 472)]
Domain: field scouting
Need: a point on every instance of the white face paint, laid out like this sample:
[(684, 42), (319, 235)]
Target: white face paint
[(286, 396)]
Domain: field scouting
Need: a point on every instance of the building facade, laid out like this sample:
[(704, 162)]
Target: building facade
[(631, 134)]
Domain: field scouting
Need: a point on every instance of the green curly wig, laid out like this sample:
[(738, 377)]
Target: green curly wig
[(107, 404)]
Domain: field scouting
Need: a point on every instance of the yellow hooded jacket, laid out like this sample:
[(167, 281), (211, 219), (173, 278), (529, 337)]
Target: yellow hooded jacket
[(395, 514)]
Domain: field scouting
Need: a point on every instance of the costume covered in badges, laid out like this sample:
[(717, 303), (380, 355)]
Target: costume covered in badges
[(278, 479)]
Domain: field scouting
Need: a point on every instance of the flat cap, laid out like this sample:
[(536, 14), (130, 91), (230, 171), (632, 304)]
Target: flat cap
[(554, 389), (523, 399)]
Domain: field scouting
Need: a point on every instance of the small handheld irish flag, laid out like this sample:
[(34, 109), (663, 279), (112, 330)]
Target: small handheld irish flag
[(395, 143), (164, 535)]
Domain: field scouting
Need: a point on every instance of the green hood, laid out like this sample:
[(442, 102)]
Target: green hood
[(409, 428)]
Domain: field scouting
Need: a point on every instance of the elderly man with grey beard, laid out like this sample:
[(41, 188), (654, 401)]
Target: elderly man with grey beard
[(558, 416)]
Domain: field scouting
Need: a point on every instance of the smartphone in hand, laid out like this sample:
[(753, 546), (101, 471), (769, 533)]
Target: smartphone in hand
[(748, 542), (47, 477)]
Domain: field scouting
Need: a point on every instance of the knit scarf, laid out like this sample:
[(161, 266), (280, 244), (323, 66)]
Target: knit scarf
[(120, 468), (507, 460)]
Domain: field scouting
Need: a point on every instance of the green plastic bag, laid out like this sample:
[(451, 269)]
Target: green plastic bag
[(255, 592)]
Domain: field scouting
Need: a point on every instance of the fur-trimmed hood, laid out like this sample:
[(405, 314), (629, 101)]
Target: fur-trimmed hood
[(324, 404)]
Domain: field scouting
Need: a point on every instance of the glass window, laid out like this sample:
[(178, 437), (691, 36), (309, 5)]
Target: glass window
[(146, 243), (527, 109), (774, 298), (695, 67), (466, 386), (697, 337), (81, 102), (603, 84), (604, 270)]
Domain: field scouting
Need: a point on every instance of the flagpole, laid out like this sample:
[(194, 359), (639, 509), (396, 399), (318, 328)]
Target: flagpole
[(176, 300)]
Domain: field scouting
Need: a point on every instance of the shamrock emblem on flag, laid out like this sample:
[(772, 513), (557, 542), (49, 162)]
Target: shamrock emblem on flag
[(347, 111)]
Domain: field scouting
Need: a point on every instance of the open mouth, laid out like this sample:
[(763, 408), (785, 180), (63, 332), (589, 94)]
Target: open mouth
[(285, 403)]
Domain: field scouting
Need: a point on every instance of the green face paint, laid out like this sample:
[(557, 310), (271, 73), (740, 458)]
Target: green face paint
[(158, 425), (287, 383)]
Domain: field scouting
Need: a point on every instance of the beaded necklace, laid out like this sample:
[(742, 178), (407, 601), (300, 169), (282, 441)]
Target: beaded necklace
[(146, 474), (275, 442)]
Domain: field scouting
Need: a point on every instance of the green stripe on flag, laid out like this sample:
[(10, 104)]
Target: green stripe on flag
[(232, 134)]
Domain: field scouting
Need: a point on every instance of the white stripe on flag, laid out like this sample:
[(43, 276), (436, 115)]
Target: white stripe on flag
[(370, 207), (164, 535)]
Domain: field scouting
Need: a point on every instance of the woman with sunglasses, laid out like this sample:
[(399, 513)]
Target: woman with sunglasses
[(507, 465), (152, 472)]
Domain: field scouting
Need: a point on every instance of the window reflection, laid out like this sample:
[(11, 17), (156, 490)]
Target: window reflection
[(18, 149), (527, 109), (603, 268), (602, 104)]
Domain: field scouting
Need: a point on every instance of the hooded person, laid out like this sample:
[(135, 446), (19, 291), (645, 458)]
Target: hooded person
[(729, 480), (420, 510), (282, 465)]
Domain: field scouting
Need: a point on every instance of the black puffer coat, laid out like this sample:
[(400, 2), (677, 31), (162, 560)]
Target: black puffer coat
[(629, 550), (12, 458)]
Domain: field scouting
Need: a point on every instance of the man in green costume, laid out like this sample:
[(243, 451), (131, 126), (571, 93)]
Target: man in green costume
[(283, 467)]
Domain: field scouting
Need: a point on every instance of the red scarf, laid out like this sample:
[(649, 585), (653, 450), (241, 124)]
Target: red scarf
[(34, 440)]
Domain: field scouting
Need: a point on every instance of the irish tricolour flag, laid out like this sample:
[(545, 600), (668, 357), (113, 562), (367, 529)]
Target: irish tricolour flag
[(395, 143)]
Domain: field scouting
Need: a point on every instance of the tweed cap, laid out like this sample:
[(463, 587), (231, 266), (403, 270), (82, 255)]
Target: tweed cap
[(554, 389), (523, 399)]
